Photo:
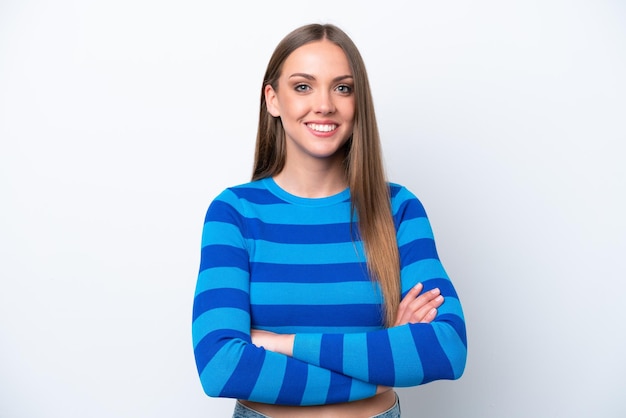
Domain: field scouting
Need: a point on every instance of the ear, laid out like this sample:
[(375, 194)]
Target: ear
[(271, 101)]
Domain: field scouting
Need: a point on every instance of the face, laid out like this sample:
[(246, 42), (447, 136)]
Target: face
[(315, 100)]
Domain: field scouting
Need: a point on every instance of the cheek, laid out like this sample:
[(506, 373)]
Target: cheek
[(349, 120), (293, 109), (349, 110)]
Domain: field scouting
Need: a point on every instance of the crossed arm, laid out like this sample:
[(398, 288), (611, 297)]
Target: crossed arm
[(414, 308)]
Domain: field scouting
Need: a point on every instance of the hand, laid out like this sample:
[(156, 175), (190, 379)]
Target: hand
[(415, 308), (278, 343)]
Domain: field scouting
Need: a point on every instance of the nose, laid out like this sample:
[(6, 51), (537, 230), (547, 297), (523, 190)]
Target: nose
[(324, 104)]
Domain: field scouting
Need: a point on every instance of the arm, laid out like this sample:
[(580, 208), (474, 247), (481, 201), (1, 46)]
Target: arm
[(229, 365), (418, 310), (408, 354), (414, 308), (405, 355)]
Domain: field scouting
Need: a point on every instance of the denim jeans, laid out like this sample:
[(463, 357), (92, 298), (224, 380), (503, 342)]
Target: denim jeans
[(242, 411)]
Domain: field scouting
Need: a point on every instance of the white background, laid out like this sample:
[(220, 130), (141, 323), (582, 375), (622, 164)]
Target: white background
[(121, 120)]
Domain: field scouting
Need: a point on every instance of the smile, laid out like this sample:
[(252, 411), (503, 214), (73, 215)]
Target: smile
[(322, 128)]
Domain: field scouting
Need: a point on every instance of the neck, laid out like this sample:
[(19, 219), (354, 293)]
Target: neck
[(312, 182)]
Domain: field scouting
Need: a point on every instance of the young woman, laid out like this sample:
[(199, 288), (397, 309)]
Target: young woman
[(320, 288)]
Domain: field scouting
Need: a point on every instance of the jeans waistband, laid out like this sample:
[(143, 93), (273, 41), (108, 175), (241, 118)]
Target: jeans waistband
[(242, 411)]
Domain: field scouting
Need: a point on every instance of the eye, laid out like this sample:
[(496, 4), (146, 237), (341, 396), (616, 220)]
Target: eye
[(344, 89), (302, 88)]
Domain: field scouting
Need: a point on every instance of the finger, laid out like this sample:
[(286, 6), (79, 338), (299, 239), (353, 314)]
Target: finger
[(411, 295), (421, 310), (423, 299), (410, 303), (428, 312), (430, 315)]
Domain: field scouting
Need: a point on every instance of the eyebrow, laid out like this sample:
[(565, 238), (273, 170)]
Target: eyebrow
[(310, 77)]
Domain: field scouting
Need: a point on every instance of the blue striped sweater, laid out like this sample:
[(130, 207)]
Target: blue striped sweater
[(286, 264)]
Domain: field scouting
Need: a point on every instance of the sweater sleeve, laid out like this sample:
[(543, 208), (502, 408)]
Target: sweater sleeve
[(229, 365), (410, 354)]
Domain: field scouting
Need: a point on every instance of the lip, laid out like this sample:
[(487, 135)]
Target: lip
[(322, 128)]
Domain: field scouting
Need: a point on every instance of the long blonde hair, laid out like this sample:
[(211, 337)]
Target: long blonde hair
[(369, 190)]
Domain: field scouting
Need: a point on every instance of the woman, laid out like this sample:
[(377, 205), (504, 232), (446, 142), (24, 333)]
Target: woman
[(320, 288)]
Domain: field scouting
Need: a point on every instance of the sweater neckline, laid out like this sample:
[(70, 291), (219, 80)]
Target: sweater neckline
[(274, 188)]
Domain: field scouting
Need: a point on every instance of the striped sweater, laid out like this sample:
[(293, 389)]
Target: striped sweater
[(274, 261)]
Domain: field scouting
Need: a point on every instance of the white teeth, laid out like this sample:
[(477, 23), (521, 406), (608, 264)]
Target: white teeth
[(322, 128)]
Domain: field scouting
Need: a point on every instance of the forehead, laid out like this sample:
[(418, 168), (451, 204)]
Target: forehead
[(317, 58)]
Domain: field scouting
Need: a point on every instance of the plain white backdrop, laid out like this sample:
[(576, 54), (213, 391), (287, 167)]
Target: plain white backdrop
[(121, 120)]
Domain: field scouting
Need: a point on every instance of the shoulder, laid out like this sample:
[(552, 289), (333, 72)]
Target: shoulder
[(252, 192), (404, 202), (245, 197), (232, 199), (244, 189), (400, 193)]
